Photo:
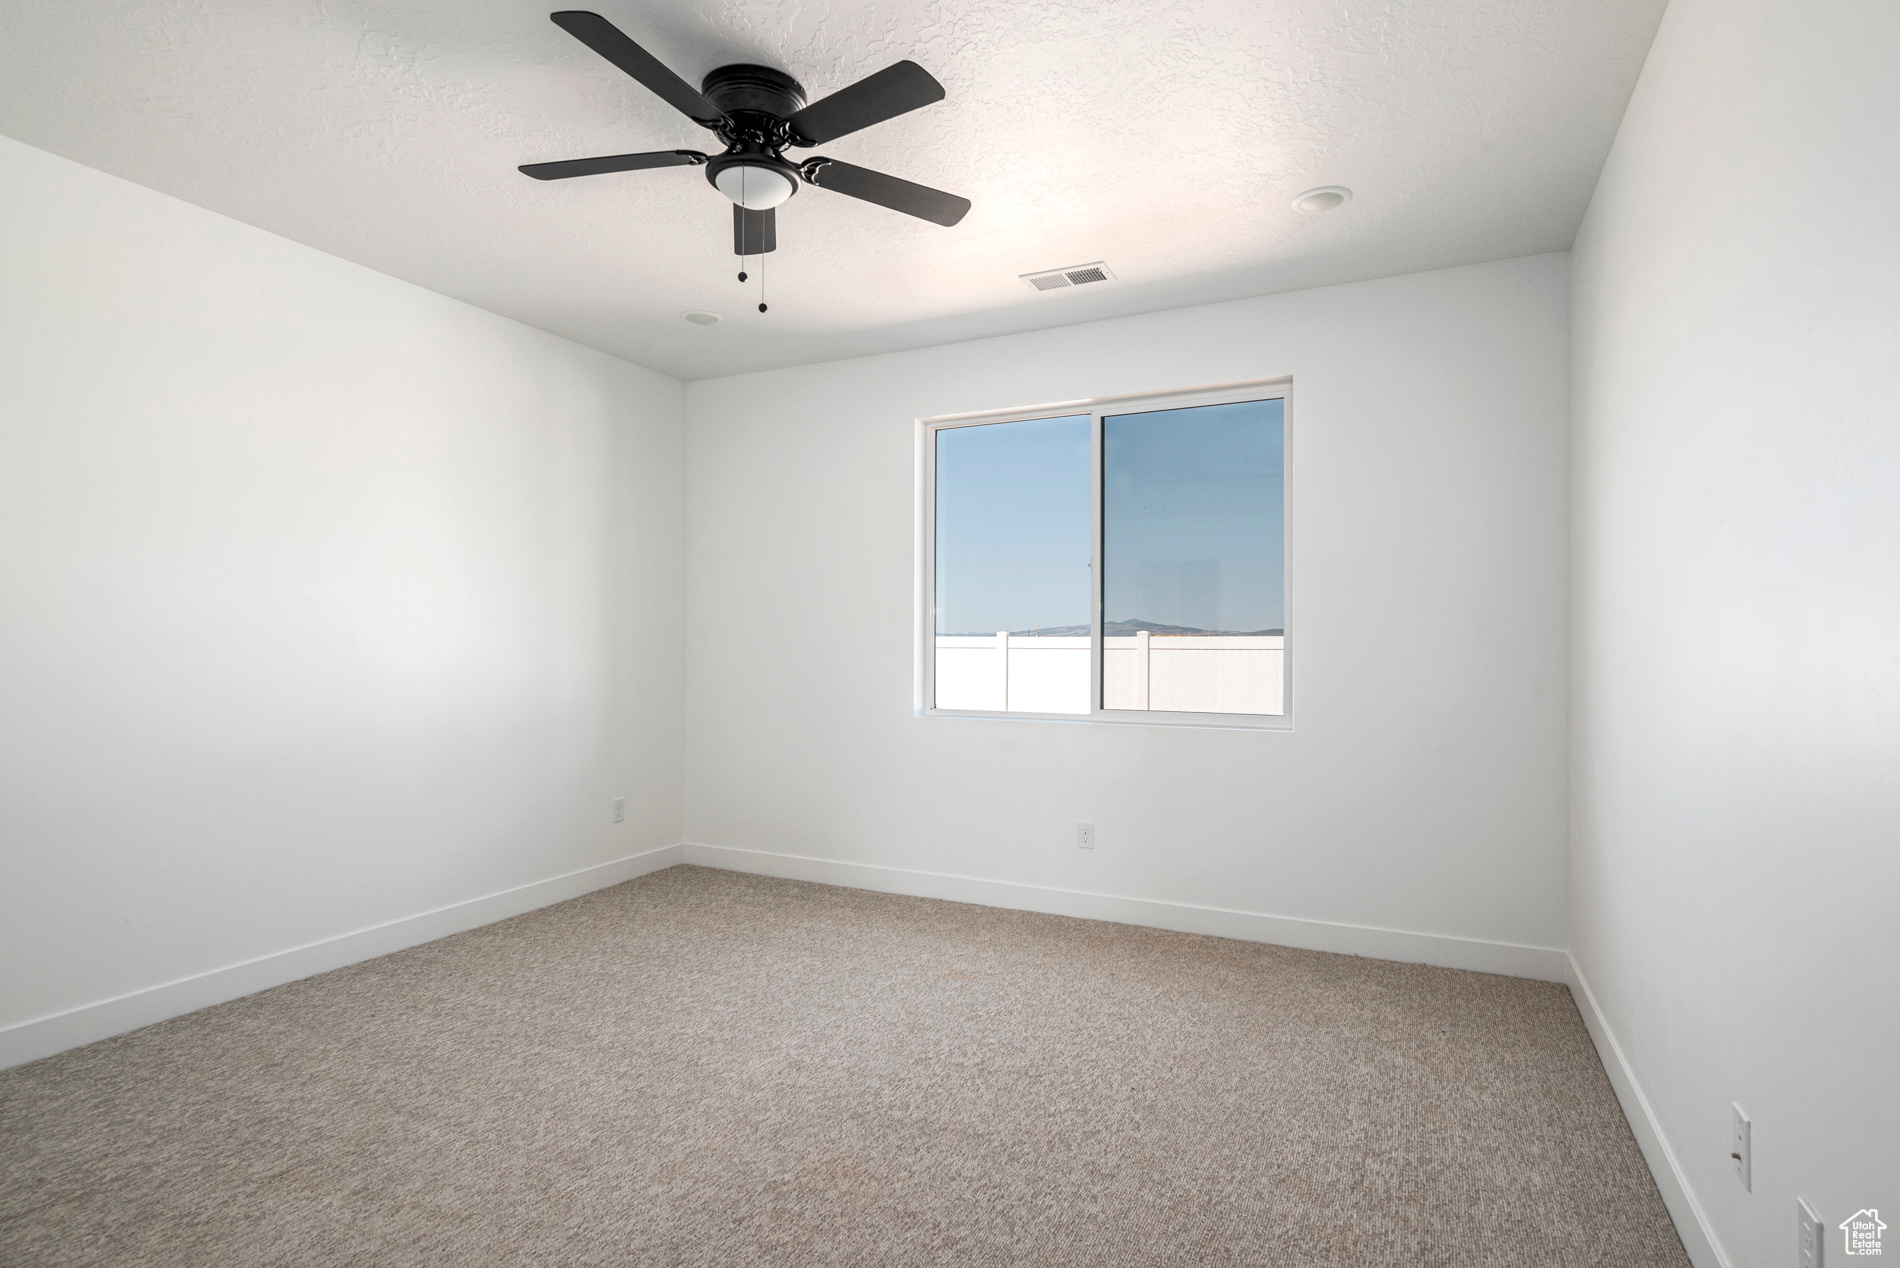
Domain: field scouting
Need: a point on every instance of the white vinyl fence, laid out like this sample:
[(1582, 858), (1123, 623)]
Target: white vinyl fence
[(1189, 673)]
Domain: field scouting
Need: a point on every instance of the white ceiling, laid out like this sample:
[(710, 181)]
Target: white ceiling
[(1164, 136)]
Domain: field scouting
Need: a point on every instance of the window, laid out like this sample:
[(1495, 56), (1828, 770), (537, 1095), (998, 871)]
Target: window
[(1123, 563)]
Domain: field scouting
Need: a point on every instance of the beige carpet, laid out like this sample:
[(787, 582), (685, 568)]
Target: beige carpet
[(702, 1068)]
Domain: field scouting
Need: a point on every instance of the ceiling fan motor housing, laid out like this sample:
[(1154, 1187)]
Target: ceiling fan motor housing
[(756, 100), (745, 89)]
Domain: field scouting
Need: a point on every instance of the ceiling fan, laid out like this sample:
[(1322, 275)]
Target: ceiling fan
[(758, 112)]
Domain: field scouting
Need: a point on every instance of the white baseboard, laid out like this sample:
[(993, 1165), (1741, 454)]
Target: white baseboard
[(1692, 1223), (1547, 964), (43, 1036)]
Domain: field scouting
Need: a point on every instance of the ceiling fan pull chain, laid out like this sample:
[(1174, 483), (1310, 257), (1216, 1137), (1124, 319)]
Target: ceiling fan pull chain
[(743, 236), (761, 283)]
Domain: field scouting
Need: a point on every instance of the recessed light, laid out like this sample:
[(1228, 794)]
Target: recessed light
[(1325, 198), (702, 318)]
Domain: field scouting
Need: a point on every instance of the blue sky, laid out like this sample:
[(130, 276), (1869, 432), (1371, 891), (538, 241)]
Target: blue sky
[(1193, 516), (1193, 506), (1013, 526)]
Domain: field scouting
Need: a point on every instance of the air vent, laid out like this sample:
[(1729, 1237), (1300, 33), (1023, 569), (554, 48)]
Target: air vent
[(1074, 275)]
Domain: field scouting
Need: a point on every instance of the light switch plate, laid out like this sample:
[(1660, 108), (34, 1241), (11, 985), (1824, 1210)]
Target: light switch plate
[(1738, 1148)]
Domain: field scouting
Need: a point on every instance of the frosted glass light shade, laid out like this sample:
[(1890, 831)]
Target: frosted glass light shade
[(754, 188)]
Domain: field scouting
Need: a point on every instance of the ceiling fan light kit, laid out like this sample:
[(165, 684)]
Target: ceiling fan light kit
[(759, 112), (753, 186)]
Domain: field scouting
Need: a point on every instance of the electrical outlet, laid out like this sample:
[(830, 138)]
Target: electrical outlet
[(1813, 1236), (1738, 1150), (1085, 835), (620, 809)]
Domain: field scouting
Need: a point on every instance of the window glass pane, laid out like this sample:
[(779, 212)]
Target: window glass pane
[(1012, 585), (1193, 580)]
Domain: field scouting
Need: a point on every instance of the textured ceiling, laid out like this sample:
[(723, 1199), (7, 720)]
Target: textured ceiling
[(1164, 136)]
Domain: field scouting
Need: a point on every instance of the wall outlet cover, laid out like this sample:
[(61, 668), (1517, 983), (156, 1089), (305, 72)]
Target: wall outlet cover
[(620, 809), (1085, 835), (1813, 1237)]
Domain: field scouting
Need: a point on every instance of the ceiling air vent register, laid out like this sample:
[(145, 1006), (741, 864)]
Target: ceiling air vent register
[(1074, 275)]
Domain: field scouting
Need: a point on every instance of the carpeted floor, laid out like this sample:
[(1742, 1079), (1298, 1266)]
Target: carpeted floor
[(706, 1068)]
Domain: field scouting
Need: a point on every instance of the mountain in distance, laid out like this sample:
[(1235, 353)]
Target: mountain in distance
[(1122, 629)]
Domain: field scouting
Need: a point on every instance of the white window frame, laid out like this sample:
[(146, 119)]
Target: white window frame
[(1097, 408)]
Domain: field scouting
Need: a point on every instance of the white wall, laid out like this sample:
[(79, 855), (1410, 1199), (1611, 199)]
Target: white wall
[(1736, 848), (1424, 787), (327, 601)]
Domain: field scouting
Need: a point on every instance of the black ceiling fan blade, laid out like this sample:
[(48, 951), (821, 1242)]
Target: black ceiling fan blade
[(886, 191), (612, 163), (606, 39), (754, 232), (892, 91)]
